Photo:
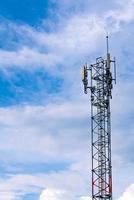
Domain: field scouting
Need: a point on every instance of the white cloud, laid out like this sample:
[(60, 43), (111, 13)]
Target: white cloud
[(85, 198), (26, 57), (128, 194), (57, 184), (79, 34), (34, 133), (55, 194), (29, 137), (124, 14)]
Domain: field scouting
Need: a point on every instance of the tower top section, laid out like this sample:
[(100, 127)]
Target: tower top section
[(109, 68)]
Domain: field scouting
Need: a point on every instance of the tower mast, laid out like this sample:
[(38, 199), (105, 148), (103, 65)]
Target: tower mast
[(101, 85)]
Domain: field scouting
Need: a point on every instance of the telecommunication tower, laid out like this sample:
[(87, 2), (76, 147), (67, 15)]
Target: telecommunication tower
[(101, 85)]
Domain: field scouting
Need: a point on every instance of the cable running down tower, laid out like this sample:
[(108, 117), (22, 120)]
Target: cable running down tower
[(101, 85)]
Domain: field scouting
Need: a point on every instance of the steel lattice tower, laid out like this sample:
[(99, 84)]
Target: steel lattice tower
[(101, 84)]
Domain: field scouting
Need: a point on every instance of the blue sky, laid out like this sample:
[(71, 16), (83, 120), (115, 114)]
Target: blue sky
[(44, 115), (30, 12)]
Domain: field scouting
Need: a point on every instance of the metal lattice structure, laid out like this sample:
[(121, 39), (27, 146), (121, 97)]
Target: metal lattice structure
[(101, 84)]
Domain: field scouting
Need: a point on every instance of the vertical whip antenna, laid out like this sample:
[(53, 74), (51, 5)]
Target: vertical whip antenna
[(107, 44)]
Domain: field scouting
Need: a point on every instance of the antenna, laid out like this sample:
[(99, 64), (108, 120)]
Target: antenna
[(115, 77), (84, 77), (107, 40)]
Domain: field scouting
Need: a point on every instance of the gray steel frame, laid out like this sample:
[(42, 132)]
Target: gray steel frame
[(100, 87)]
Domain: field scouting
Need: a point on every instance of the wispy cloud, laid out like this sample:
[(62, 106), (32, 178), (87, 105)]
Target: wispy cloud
[(128, 194), (50, 194), (34, 131), (76, 38)]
